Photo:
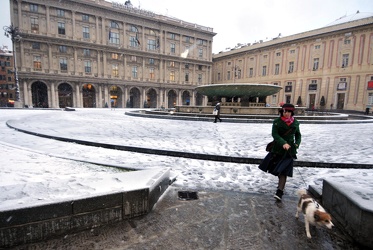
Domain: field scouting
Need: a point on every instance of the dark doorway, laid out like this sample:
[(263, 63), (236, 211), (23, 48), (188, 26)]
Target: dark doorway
[(171, 99), (65, 95), (39, 92), (89, 96), (134, 101), (151, 99)]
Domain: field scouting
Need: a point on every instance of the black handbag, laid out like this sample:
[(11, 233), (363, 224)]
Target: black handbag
[(270, 145)]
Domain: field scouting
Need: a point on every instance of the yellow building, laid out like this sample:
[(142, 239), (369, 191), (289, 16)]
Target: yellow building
[(94, 53), (326, 68)]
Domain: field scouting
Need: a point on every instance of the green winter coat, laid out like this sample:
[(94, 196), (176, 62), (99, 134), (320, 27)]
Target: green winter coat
[(293, 138)]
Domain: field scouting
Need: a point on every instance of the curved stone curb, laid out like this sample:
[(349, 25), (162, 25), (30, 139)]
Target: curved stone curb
[(210, 118), (191, 155)]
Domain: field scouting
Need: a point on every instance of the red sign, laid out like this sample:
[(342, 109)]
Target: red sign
[(370, 85)]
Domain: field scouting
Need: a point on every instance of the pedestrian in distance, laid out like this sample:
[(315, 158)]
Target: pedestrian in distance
[(286, 140), (217, 112)]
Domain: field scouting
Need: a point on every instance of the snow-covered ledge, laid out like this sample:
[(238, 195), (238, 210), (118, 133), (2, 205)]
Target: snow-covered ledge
[(139, 193), (352, 207)]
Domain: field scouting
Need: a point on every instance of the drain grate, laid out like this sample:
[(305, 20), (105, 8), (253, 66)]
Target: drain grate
[(187, 195)]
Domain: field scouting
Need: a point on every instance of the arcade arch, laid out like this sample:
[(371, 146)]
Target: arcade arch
[(65, 95), (39, 94), (151, 99), (116, 96), (134, 101), (89, 96), (171, 96)]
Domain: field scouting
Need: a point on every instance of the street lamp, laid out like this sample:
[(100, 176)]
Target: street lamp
[(13, 33)]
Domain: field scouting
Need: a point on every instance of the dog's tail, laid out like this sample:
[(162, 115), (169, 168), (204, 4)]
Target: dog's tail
[(301, 192)]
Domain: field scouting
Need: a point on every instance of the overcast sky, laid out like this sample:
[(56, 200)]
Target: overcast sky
[(244, 21)]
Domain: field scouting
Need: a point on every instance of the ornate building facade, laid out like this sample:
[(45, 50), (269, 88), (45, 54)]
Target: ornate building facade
[(94, 53), (7, 86), (327, 68)]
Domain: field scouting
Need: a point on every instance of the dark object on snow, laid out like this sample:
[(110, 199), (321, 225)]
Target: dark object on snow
[(187, 195), (69, 109)]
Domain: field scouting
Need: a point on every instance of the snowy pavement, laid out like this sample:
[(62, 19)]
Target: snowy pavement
[(39, 170)]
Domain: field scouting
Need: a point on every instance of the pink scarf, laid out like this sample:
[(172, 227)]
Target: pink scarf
[(288, 121)]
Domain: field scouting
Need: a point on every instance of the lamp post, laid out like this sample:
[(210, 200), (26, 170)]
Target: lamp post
[(13, 33)]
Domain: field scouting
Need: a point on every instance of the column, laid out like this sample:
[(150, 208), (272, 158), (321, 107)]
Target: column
[(99, 97), (48, 19), (78, 98), (53, 96), (125, 97), (25, 94), (73, 21)]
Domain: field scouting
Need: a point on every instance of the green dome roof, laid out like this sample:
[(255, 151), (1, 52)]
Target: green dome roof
[(238, 90)]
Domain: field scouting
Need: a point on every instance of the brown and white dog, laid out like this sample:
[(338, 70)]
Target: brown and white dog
[(313, 212)]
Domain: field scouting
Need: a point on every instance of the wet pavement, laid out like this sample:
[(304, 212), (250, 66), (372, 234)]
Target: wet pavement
[(216, 220)]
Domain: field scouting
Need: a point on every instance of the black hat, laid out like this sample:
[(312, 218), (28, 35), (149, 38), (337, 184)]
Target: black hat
[(288, 106)]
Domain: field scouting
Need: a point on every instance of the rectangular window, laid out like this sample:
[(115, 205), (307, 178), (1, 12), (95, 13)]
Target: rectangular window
[(291, 67), (199, 78), (370, 99), (34, 24), (278, 54), (62, 49), (251, 72), (87, 67), (342, 86), (151, 61), (115, 56), (317, 46), (60, 13), (151, 44), (86, 32), (187, 39), (113, 37), (172, 48), (200, 53), (187, 77), (134, 72), (292, 51), (134, 42), (172, 36), (264, 71), (35, 45), (345, 60), (85, 17), (312, 87), (238, 74), (172, 76), (33, 7), (63, 64), (61, 28), (315, 63), (347, 41), (86, 52), (37, 63), (115, 70), (228, 75), (277, 69), (218, 76), (151, 73)]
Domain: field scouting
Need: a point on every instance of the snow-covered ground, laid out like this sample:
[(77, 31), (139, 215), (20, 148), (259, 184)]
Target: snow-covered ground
[(39, 170)]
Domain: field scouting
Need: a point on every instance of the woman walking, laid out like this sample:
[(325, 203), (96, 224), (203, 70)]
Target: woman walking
[(287, 138)]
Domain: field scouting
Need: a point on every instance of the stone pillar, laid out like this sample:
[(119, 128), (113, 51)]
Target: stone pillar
[(78, 97), (53, 96)]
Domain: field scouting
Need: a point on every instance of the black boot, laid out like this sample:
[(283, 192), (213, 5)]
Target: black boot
[(278, 195)]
